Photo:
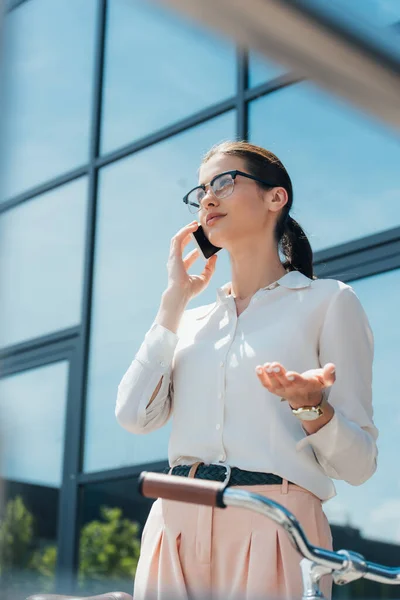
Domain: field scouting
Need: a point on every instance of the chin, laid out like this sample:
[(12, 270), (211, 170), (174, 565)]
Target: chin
[(216, 238)]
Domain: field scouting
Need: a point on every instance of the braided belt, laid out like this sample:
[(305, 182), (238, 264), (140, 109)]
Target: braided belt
[(228, 475)]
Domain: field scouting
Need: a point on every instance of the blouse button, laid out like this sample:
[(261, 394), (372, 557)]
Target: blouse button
[(218, 426), (162, 364), (221, 364)]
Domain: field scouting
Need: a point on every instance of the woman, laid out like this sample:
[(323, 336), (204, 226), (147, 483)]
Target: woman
[(274, 333)]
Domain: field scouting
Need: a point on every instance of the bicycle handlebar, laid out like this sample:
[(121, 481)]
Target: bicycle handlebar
[(212, 493)]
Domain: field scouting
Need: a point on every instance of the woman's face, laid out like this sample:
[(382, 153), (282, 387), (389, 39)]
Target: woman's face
[(244, 214)]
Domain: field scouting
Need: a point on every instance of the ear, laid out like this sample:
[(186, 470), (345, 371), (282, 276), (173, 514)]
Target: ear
[(278, 198)]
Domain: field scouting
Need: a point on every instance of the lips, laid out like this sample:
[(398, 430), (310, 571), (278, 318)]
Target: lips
[(213, 218)]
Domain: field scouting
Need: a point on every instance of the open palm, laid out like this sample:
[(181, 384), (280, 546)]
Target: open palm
[(299, 390)]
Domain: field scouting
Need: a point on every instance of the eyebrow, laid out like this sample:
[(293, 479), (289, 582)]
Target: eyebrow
[(200, 184), (214, 176)]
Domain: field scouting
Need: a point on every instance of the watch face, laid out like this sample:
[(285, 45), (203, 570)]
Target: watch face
[(309, 414)]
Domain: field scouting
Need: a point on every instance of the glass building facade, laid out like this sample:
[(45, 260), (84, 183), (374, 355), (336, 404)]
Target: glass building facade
[(110, 106)]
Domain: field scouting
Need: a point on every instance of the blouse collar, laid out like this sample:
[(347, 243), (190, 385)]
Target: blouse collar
[(294, 280)]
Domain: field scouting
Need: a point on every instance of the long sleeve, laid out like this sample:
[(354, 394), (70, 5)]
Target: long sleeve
[(346, 446), (152, 362)]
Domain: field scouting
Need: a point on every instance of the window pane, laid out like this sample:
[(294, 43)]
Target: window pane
[(41, 263), (140, 209), (159, 69), (32, 408), (344, 167), (262, 70), (373, 509), (49, 87), (108, 555)]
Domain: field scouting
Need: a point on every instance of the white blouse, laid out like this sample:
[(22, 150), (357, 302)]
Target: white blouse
[(222, 413)]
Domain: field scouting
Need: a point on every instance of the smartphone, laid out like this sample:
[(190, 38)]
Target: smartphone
[(206, 248)]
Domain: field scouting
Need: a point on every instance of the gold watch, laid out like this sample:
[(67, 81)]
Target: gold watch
[(310, 413)]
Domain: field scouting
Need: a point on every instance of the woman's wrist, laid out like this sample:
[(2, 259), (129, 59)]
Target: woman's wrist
[(312, 400), (311, 427), (317, 399), (172, 306)]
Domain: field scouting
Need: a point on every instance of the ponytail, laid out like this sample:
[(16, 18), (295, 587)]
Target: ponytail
[(296, 248)]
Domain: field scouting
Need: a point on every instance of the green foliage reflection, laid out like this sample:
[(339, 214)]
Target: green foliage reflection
[(109, 551)]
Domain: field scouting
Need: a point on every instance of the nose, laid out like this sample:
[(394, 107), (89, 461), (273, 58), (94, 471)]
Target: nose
[(209, 199)]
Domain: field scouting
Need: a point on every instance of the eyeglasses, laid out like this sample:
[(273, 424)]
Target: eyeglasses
[(221, 185)]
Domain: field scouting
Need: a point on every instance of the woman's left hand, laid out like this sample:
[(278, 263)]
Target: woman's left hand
[(299, 390)]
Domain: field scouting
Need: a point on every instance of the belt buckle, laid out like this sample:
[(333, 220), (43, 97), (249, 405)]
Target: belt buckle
[(228, 472)]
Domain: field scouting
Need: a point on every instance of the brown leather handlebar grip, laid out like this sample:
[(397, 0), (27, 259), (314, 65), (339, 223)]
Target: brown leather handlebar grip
[(182, 489)]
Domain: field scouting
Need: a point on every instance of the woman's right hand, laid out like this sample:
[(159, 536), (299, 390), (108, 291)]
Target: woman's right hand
[(179, 279)]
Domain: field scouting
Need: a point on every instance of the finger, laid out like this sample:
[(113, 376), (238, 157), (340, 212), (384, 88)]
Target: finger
[(264, 377), (294, 379), (184, 233), (186, 240), (277, 374), (209, 269), (178, 247), (271, 375), (191, 258), (275, 371), (329, 374)]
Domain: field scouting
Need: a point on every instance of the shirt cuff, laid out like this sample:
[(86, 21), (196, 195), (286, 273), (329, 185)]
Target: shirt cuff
[(333, 438), (158, 347)]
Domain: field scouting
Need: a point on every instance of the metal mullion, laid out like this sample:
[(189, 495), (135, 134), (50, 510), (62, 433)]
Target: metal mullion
[(352, 272), (382, 238), (374, 254), (368, 270), (120, 473), (39, 342), (242, 83), (38, 357), (365, 257), (161, 135), (48, 186), (69, 508), (272, 85), (371, 269), (92, 208)]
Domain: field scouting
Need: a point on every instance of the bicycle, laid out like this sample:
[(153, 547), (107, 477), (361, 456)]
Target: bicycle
[(344, 565)]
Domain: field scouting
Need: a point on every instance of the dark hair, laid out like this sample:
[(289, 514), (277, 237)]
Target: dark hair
[(265, 165)]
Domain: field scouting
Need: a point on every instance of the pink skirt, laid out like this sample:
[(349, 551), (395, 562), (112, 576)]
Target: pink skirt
[(203, 552)]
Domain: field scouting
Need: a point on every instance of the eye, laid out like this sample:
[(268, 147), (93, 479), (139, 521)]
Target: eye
[(199, 194), (223, 181)]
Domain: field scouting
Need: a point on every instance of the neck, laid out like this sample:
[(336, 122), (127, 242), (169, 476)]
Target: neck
[(254, 265)]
